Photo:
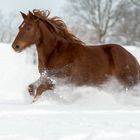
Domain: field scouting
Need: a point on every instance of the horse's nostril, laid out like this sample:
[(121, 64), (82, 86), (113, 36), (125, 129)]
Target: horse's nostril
[(17, 47)]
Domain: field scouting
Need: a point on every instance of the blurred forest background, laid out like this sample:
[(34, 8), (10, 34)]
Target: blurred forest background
[(93, 21), (105, 21)]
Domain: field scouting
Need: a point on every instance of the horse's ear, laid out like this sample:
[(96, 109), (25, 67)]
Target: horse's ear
[(23, 15), (36, 19), (31, 16)]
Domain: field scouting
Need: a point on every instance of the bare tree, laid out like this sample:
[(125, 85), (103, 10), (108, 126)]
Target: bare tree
[(98, 15), (135, 2), (129, 24)]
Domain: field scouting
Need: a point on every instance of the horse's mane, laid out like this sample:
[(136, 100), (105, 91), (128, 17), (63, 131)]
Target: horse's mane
[(59, 26)]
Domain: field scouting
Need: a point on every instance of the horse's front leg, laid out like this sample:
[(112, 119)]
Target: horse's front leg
[(42, 84), (41, 89), (35, 88), (31, 89)]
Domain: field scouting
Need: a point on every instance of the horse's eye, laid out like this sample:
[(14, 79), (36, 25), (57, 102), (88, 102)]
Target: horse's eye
[(28, 28)]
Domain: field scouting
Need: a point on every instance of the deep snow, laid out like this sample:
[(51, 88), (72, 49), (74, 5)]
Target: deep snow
[(68, 113)]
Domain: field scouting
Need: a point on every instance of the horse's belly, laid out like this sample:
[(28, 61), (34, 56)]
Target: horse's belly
[(89, 75)]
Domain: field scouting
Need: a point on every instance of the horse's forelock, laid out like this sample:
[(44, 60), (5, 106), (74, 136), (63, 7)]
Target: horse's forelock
[(41, 14)]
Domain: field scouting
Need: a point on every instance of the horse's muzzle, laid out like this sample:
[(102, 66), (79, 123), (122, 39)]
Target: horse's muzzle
[(17, 47)]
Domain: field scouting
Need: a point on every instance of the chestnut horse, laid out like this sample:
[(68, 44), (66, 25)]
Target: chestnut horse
[(63, 55)]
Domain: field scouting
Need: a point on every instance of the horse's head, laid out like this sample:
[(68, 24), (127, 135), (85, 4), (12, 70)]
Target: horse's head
[(28, 33), (38, 28)]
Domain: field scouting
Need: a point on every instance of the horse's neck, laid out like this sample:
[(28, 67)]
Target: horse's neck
[(43, 51), (54, 52), (59, 56), (45, 47)]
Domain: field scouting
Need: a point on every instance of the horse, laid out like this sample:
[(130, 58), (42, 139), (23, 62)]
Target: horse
[(61, 54)]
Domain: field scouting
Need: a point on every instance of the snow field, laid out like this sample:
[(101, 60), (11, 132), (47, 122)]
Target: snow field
[(68, 113)]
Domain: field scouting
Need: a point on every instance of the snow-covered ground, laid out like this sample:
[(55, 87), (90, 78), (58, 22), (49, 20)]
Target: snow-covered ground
[(68, 113)]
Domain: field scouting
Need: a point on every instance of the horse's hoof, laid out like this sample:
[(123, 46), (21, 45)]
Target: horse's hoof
[(35, 99), (31, 90)]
